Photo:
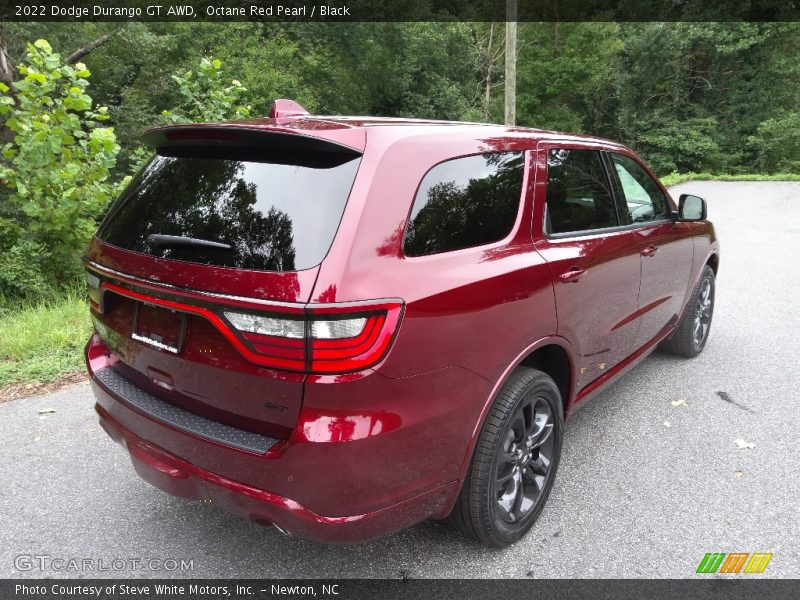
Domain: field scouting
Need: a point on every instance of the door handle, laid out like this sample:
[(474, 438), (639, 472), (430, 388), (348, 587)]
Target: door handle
[(649, 251), (573, 275)]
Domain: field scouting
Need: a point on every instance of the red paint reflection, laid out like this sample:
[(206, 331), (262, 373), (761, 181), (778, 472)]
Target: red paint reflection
[(318, 427)]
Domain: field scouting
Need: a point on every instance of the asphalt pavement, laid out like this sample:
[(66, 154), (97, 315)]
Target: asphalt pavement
[(651, 477)]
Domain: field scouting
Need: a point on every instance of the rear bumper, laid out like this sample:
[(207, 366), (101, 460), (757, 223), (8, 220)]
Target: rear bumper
[(180, 478), (339, 477)]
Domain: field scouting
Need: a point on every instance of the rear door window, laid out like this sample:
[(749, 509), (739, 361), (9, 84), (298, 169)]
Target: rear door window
[(273, 215), (578, 194), (465, 202)]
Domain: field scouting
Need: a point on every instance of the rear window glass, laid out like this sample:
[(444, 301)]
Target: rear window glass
[(465, 202), (269, 215)]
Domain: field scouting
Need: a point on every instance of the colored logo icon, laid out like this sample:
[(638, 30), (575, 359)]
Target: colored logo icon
[(734, 562)]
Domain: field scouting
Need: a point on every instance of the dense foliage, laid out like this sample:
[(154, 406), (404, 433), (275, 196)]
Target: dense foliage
[(206, 97), (59, 165), (56, 172), (702, 97)]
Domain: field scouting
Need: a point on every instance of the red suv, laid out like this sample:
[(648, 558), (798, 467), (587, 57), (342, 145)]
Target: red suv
[(345, 326)]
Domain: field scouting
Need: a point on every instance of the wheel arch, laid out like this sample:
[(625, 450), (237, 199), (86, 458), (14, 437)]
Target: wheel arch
[(554, 360), (552, 355), (548, 353), (713, 262)]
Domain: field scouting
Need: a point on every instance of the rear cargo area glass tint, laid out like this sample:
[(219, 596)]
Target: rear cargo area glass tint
[(272, 215)]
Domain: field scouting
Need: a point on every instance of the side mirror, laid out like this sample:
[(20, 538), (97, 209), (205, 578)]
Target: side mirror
[(691, 208)]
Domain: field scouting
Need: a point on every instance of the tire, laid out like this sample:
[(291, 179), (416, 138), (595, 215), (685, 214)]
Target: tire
[(691, 333), (515, 461)]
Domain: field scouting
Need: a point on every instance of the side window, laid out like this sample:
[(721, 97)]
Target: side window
[(465, 202), (578, 196), (643, 198)]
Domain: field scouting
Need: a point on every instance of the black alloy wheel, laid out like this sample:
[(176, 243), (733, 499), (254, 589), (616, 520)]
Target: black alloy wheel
[(691, 332), (514, 462)]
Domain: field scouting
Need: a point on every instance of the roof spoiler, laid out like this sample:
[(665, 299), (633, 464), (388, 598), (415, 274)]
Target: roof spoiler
[(175, 139), (284, 133)]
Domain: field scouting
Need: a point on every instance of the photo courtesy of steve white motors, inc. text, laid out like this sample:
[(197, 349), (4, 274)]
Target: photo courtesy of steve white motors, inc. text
[(177, 590), (181, 11)]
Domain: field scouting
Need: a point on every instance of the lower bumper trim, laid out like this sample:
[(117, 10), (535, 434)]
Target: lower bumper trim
[(182, 419)]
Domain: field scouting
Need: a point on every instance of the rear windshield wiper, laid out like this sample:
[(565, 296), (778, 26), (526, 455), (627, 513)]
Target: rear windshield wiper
[(157, 239)]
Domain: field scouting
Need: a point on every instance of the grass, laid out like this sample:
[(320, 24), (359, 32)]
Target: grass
[(40, 342), (676, 178)]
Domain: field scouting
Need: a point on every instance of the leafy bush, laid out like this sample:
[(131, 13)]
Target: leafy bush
[(55, 173), (777, 143), (671, 145), (206, 97)]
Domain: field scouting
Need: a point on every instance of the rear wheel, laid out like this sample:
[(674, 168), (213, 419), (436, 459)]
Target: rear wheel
[(691, 334), (515, 461)]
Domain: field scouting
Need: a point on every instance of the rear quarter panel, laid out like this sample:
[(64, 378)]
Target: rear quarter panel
[(469, 314), (472, 308)]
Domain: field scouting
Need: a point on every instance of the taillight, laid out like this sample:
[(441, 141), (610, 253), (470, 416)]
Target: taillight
[(312, 338), (331, 339), (267, 326), (279, 339), (343, 341)]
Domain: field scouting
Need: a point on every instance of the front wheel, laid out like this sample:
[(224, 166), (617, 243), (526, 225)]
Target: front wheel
[(515, 461), (691, 333)]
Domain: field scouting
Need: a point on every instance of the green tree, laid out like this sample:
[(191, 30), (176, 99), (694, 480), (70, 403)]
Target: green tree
[(55, 172), (687, 96), (205, 97), (693, 94), (565, 76), (271, 60), (776, 144), (418, 70)]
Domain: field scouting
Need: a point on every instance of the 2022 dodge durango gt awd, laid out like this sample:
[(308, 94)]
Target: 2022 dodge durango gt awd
[(345, 326)]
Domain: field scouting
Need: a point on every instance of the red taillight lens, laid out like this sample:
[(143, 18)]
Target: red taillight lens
[(340, 354), (332, 339), (279, 339), (315, 338)]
